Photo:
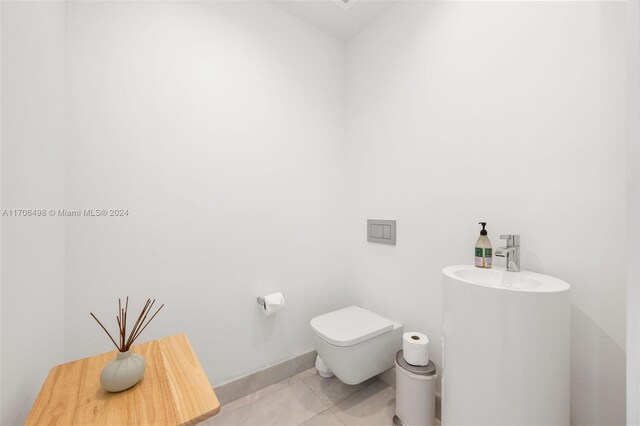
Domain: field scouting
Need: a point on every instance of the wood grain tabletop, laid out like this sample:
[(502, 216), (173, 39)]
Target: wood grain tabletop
[(174, 390)]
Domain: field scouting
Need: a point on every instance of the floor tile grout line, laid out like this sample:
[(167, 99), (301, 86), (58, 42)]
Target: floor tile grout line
[(339, 419), (292, 380), (336, 414), (304, 382), (373, 383), (315, 393), (331, 408), (333, 404), (321, 413), (283, 389)]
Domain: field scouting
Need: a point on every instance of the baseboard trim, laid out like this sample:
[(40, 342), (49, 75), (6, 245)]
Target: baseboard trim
[(245, 385)]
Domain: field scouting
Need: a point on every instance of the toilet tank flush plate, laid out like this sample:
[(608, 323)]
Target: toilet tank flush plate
[(381, 231)]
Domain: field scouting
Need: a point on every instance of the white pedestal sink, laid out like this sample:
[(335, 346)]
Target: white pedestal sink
[(505, 348)]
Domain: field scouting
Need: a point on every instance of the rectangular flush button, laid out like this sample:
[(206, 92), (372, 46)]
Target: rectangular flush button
[(381, 231), (376, 230)]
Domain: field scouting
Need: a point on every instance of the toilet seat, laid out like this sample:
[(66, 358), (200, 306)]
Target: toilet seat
[(350, 326)]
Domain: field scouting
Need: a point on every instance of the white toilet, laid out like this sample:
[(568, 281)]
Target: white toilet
[(355, 344)]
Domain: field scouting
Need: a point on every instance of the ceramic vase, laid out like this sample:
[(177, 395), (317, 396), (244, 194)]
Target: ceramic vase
[(123, 372)]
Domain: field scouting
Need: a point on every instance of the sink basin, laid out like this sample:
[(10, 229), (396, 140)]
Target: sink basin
[(502, 279), (505, 347)]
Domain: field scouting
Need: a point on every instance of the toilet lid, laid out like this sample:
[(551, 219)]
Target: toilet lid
[(348, 326)]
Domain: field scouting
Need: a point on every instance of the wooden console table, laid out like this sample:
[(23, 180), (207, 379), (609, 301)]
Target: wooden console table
[(174, 390)]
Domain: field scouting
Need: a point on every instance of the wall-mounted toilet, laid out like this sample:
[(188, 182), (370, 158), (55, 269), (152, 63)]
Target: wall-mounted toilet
[(355, 343)]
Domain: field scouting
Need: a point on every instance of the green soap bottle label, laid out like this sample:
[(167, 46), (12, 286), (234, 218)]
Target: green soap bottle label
[(479, 252), (487, 252)]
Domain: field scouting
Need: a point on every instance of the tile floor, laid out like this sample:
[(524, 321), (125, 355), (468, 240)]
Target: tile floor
[(308, 399)]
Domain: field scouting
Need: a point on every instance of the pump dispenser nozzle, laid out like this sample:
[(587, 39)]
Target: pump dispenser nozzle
[(484, 231)]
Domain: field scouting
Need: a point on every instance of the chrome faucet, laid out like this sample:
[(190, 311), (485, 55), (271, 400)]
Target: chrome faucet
[(511, 252)]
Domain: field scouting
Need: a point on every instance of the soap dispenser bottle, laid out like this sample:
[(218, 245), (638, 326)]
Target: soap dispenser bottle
[(484, 254)]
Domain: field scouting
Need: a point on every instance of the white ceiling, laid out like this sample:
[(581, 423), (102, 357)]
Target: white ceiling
[(339, 18)]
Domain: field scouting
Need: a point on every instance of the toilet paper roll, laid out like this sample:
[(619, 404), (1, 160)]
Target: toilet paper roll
[(273, 303), (415, 347)]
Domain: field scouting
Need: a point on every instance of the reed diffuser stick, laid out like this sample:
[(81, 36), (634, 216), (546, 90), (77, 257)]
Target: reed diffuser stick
[(125, 341), (105, 330), (152, 317)]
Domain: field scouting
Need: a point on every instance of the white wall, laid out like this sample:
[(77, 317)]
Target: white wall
[(220, 126), (0, 207), (633, 218), (507, 112), (33, 149)]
